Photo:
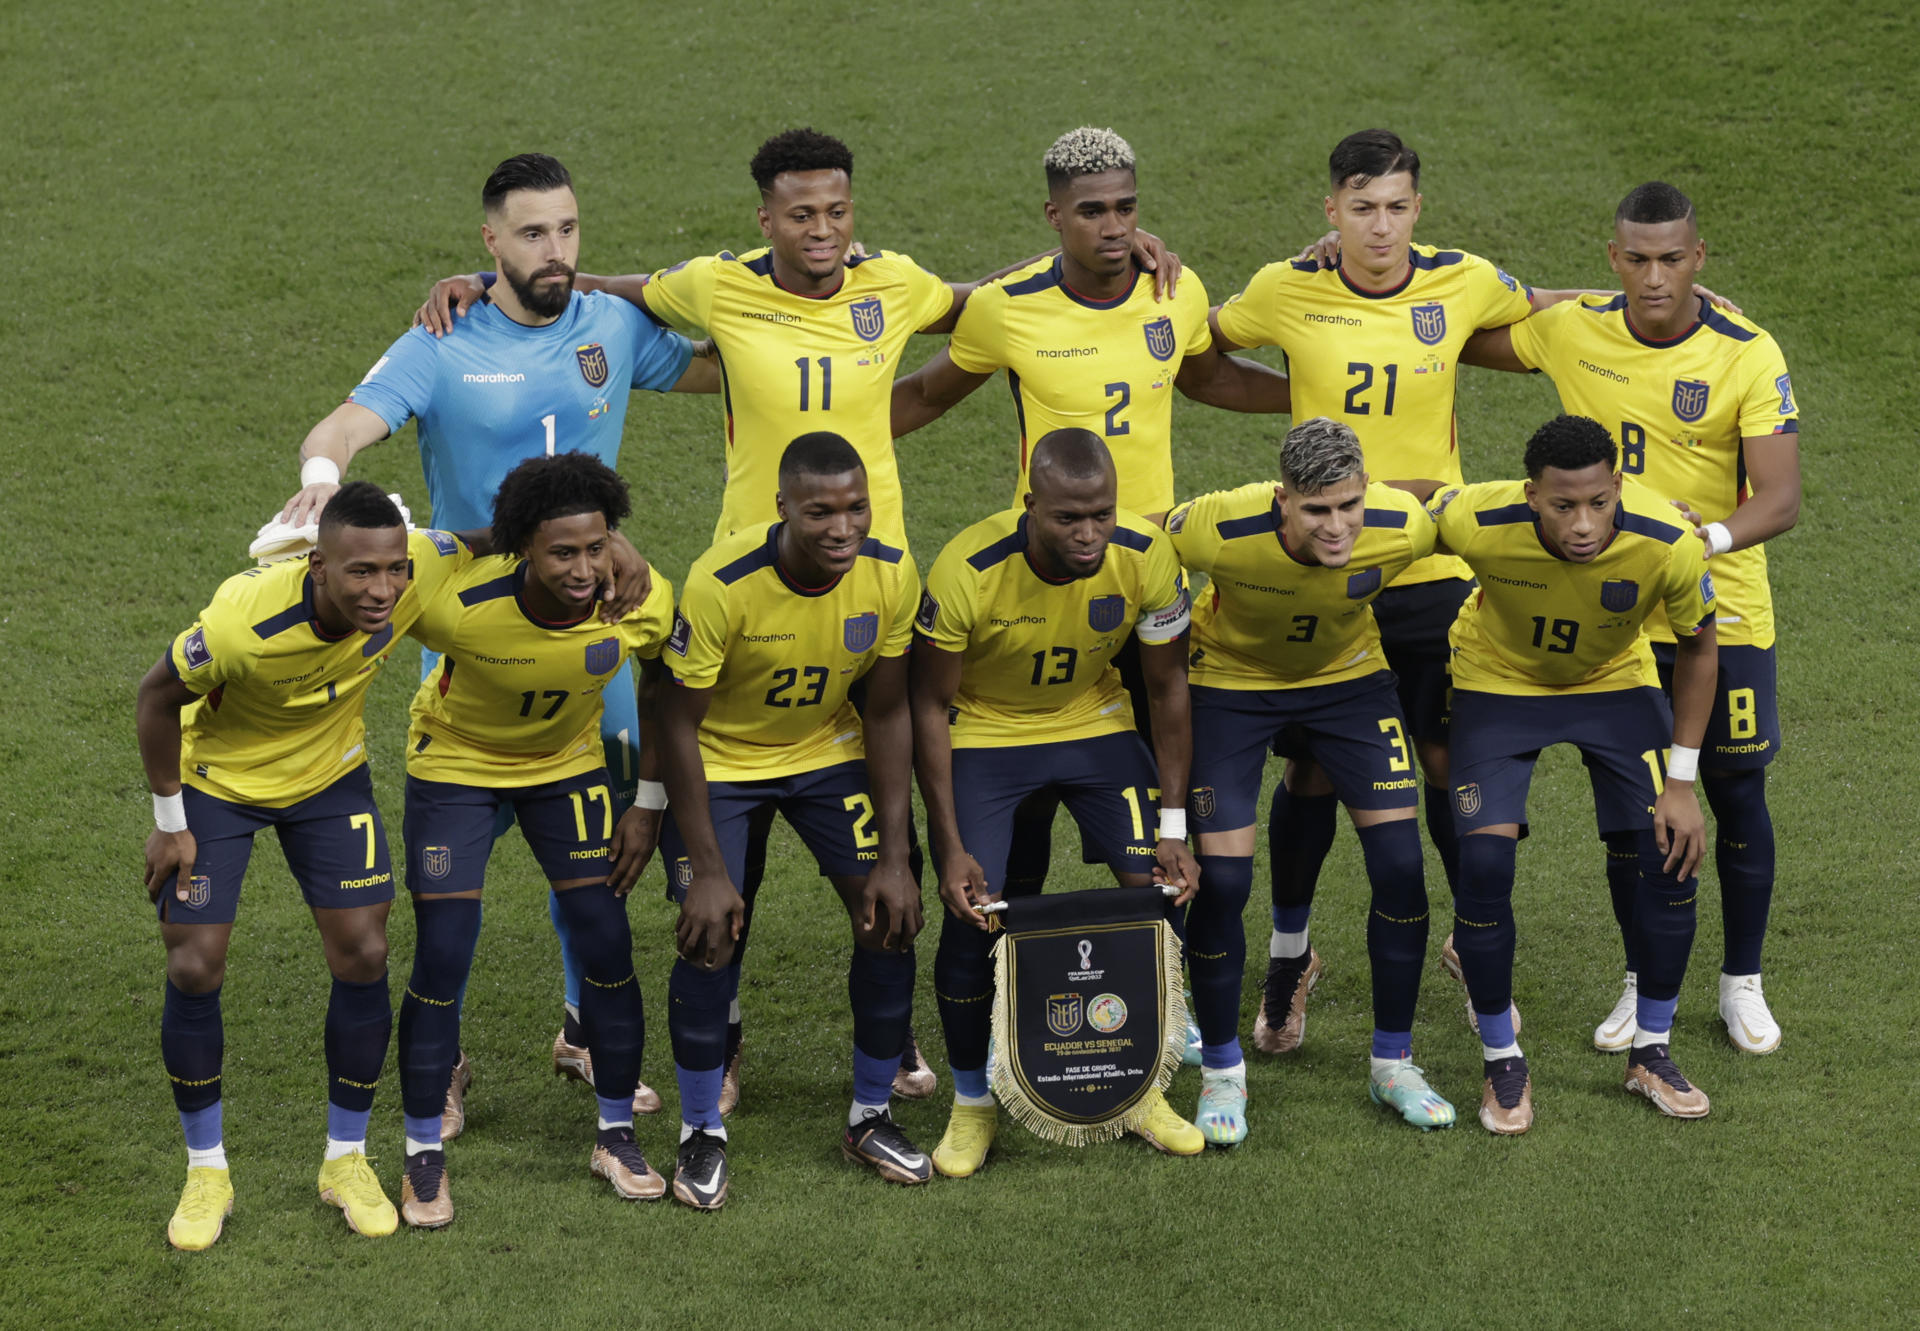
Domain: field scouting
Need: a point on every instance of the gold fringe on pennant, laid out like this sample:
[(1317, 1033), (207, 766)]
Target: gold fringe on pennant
[(1014, 1099)]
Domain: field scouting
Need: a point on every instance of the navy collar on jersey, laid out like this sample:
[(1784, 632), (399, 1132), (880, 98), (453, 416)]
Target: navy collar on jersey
[(1417, 263), (764, 266), (303, 613), (787, 580), (1619, 303), (1025, 547), (1055, 276), (519, 585)]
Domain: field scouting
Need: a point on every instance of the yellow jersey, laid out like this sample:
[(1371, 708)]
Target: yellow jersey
[(1102, 365), (1270, 620), (1541, 624), (791, 364), (1679, 411), (1384, 362), (279, 717), (516, 700), (780, 657), (1036, 652)]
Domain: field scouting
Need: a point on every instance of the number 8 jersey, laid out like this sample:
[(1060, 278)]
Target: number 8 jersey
[(780, 657)]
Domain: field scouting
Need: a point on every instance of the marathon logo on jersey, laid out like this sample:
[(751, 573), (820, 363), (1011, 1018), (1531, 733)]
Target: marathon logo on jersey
[(1160, 338), (196, 651), (1430, 323), (860, 632), (199, 891), (929, 612), (1689, 399), (1201, 798), (1362, 585), (593, 364), (1784, 387), (1619, 595), (1064, 1013), (436, 861), (602, 656), (1467, 799), (1106, 613), (869, 318), (682, 634)]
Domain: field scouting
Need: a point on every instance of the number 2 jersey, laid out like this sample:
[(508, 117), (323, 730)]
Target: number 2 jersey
[(1541, 624), (279, 716), (516, 701), (780, 657), (1270, 620), (1680, 412), (1037, 652), (1383, 362)]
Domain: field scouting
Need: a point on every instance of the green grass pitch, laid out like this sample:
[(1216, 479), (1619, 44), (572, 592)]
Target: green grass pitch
[(214, 216)]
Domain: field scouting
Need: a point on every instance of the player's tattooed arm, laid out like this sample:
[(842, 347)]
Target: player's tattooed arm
[(888, 727), (637, 835), (1233, 383), (338, 435), (1164, 665), (1679, 828), (926, 394), (157, 727), (934, 679), (711, 916)]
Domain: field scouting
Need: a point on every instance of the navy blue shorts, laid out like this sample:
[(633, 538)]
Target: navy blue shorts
[(335, 844), (1107, 783), (829, 807), (1743, 734), (449, 829), (1622, 737), (1353, 729), (1414, 621)]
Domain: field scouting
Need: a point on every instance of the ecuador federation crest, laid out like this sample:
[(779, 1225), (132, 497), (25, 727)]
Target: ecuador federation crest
[(1160, 341), (860, 632), (1430, 323), (1200, 800), (1467, 799), (1106, 613), (1689, 399), (1064, 1012), (1363, 584), (436, 861), (593, 364), (869, 318), (603, 654), (199, 891), (1619, 595)]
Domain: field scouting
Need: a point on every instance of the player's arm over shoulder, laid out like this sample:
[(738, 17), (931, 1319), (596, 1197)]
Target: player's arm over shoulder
[(682, 296)]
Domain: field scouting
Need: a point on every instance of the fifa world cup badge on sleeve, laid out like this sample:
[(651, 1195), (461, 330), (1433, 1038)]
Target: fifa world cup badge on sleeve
[(196, 650), (929, 613), (1087, 1012)]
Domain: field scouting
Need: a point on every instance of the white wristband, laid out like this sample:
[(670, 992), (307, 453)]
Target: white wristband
[(170, 812), (1719, 539), (1683, 764), (319, 471), (1173, 824), (650, 795)]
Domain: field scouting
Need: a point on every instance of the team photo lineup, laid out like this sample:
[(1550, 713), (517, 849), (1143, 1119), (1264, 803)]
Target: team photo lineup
[(1400, 639)]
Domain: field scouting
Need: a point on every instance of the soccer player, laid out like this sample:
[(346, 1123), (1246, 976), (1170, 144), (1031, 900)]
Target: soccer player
[(1701, 406), (1285, 648), (1373, 341), (252, 720), (776, 625), (537, 369), (1551, 649), (511, 718), (1019, 626)]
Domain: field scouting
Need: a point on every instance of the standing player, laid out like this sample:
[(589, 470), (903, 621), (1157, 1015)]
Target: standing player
[(1022, 618), (1702, 409), (253, 720), (776, 626), (1285, 649), (511, 719), (1551, 650), (538, 369)]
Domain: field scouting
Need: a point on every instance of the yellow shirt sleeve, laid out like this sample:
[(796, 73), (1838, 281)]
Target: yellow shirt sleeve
[(1164, 605), (1247, 317), (929, 297), (906, 607), (645, 631), (1533, 335), (683, 294), (1767, 404), (697, 646), (1499, 299), (979, 341), (1202, 336), (1689, 596), (948, 609), (216, 649)]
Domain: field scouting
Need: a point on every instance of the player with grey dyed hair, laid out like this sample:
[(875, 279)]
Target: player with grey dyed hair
[(1319, 453), (1086, 152)]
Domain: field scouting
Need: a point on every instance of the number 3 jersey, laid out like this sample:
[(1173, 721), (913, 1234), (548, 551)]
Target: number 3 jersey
[(1273, 621), (1036, 652), (1384, 362), (780, 657), (516, 700), (1541, 624)]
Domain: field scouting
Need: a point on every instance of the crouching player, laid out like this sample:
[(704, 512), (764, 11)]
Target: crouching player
[(1286, 649), (776, 625), (1551, 650), (253, 720), (1015, 691), (511, 719)]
